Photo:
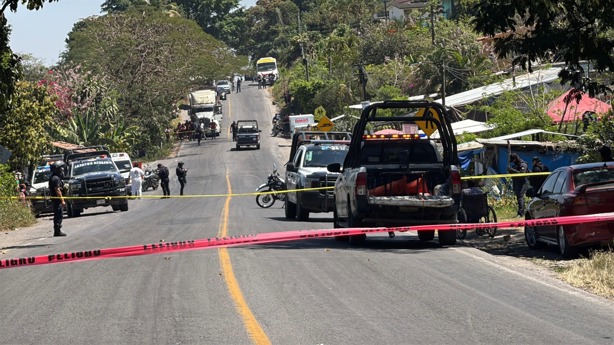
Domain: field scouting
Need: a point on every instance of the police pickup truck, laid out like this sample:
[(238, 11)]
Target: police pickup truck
[(399, 177), (93, 180)]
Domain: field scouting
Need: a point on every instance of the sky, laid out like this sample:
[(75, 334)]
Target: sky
[(43, 33)]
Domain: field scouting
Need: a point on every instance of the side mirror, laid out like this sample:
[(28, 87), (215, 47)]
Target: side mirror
[(334, 167), (290, 166), (260, 130)]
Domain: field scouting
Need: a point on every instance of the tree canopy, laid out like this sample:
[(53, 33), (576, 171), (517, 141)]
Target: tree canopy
[(537, 31)]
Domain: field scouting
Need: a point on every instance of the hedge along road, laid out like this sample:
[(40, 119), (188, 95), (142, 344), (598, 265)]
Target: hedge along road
[(317, 291)]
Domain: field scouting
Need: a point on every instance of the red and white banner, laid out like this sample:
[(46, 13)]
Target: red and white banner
[(270, 237)]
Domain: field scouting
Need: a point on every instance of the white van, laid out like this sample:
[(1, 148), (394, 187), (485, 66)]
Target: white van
[(124, 164)]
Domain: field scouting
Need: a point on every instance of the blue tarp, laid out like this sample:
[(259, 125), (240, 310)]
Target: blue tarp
[(552, 160)]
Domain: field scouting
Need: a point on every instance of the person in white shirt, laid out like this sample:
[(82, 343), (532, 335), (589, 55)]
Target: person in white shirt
[(136, 176)]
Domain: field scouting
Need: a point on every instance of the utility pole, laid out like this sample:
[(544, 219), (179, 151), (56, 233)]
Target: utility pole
[(433, 24), (363, 77), (302, 48)]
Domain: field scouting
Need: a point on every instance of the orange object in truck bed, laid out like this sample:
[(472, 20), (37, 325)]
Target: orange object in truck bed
[(401, 187)]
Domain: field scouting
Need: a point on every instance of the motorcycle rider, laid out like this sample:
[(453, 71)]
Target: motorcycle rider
[(55, 189), (181, 176)]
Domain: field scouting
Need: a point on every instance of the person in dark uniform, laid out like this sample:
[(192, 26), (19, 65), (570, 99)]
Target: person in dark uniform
[(606, 154), (520, 184), (163, 175), (537, 181), (181, 176), (233, 129), (57, 198), (239, 85)]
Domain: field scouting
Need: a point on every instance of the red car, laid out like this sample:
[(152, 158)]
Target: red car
[(574, 190)]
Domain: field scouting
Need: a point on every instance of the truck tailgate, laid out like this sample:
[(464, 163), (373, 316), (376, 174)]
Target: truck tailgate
[(412, 201)]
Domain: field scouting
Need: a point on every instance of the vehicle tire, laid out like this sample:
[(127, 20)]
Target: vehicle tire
[(491, 217), (290, 209), (336, 225), (123, 207), (531, 238), (237, 147), (258, 147), (144, 188), (565, 249), (446, 237), (155, 187), (71, 211), (301, 213), (462, 218), (265, 200), (115, 207), (353, 223), (427, 235)]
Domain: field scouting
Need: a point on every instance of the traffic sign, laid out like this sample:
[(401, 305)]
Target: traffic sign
[(318, 113), (428, 127), (325, 124)]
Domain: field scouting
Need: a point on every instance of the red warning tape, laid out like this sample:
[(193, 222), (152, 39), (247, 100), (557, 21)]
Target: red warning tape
[(271, 237)]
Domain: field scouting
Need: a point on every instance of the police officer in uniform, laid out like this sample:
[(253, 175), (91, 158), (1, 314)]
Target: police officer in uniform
[(181, 175), (164, 180), (57, 198)]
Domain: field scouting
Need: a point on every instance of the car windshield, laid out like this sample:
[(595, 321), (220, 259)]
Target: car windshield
[(41, 176), (222, 83), (247, 129), (86, 167), (593, 176), (322, 156), (123, 166)]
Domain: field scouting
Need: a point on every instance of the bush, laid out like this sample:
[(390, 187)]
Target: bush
[(13, 213)]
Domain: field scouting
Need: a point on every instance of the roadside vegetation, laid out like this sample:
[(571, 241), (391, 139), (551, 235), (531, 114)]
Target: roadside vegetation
[(123, 73)]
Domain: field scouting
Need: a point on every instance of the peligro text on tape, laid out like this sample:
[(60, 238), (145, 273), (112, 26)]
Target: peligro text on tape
[(271, 237)]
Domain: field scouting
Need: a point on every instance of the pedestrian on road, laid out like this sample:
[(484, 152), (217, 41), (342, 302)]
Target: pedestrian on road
[(136, 176), (57, 198), (520, 184), (233, 129), (239, 85), (181, 176), (163, 174)]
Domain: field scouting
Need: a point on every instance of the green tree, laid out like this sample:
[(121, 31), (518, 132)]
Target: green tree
[(25, 129), (533, 31), (151, 59)]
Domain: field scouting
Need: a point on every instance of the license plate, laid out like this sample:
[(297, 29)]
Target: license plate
[(100, 202)]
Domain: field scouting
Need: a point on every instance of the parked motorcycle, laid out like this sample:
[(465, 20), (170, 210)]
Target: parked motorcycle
[(151, 180), (274, 183)]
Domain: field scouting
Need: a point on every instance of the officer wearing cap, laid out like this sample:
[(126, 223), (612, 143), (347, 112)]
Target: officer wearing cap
[(181, 175), (537, 180), (57, 199), (520, 184)]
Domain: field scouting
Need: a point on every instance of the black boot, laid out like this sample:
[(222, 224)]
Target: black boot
[(57, 232)]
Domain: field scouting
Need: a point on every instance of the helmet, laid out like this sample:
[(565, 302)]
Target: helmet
[(180, 164), (57, 166)]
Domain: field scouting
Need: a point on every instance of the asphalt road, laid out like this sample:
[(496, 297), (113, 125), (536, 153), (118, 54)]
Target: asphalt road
[(387, 291)]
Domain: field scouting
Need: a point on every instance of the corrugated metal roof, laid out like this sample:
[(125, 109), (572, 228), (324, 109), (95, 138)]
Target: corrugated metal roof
[(520, 82), (530, 132)]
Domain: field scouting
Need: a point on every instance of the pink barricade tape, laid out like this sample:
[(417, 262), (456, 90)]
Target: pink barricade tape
[(271, 237)]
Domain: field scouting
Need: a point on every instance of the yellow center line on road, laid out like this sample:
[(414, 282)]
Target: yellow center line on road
[(256, 333)]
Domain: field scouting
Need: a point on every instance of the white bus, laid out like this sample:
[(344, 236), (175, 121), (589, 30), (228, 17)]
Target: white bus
[(267, 67)]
